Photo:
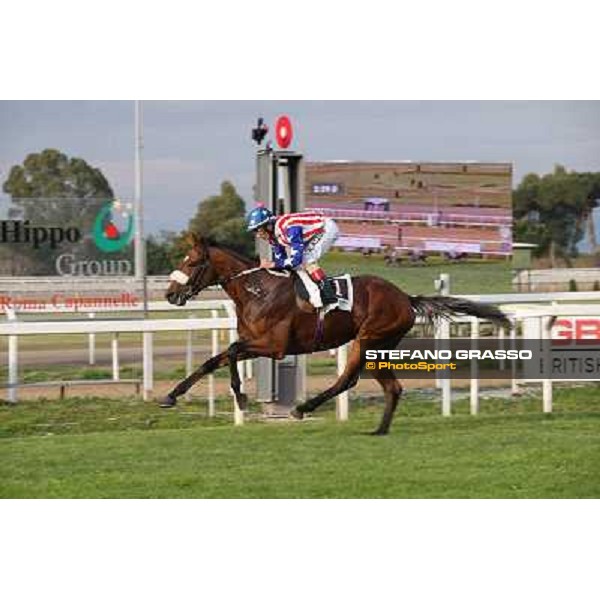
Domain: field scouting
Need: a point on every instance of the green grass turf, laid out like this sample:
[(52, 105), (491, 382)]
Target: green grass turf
[(97, 448)]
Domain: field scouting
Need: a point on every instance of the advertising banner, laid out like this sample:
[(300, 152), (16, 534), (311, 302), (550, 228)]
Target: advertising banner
[(67, 254)]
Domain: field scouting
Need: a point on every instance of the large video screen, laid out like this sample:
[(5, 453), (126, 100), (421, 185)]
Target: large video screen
[(419, 208)]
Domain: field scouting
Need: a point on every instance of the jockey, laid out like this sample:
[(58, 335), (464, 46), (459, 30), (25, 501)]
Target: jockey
[(298, 241)]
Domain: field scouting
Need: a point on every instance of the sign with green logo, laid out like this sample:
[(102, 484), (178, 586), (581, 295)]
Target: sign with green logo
[(113, 227)]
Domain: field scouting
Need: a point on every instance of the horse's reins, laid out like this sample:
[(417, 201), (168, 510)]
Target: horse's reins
[(253, 270), (183, 279)]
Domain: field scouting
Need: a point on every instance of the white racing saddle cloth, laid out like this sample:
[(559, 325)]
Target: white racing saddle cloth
[(308, 290)]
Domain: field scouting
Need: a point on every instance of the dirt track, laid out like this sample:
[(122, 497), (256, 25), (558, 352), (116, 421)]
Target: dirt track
[(79, 357)]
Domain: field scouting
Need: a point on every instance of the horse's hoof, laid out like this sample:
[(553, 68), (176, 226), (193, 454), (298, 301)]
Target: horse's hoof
[(296, 414), (242, 401), (378, 432), (168, 402)]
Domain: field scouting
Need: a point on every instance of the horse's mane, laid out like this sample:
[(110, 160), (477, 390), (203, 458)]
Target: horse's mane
[(236, 252)]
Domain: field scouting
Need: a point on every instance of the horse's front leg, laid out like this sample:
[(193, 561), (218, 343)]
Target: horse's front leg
[(237, 351), (240, 350), (181, 388), (234, 353), (245, 349)]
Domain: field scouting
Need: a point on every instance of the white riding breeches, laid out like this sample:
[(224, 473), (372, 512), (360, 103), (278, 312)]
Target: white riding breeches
[(318, 246), (314, 294)]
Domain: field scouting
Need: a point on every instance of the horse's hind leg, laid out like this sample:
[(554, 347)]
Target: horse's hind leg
[(349, 378), (346, 380), (392, 390)]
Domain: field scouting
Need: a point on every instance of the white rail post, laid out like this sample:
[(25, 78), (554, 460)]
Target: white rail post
[(501, 362), (189, 355), (238, 415), (474, 367), (148, 364), (443, 287), (13, 361), (437, 334), (446, 381), (115, 356), (341, 402), (92, 344), (211, 377), (13, 368), (547, 381), (514, 387)]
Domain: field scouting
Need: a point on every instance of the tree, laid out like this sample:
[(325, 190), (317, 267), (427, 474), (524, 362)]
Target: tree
[(552, 210), (163, 252), (51, 174), (222, 218)]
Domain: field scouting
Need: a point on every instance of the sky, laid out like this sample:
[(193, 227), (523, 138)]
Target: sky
[(190, 147)]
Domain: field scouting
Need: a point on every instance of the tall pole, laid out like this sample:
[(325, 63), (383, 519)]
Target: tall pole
[(139, 249)]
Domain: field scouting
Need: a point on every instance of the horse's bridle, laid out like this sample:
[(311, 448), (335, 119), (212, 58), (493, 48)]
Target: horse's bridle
[(197, 275), (192, 281)]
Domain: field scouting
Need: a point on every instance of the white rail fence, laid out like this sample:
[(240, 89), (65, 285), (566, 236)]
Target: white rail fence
[(191, 308), (225, 304), (522, 308), (14, 329), (519, 316)]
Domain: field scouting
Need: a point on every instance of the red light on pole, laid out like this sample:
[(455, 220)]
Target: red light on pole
[(283, 131)]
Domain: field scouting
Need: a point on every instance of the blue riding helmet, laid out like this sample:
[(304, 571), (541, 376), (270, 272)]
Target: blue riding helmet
[(258, 217)]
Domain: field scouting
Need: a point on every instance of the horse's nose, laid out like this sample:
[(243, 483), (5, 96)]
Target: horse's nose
[(170, 296)]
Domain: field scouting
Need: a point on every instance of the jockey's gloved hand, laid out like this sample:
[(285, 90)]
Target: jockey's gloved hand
[(267, 264)]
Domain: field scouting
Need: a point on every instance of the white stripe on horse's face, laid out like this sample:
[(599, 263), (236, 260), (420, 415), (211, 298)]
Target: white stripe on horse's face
[(179, 276)]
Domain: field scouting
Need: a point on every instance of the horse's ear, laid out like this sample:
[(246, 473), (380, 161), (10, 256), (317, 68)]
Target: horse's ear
[(194, 239)]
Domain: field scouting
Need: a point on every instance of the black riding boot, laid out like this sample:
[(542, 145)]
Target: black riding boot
[(327, 292)]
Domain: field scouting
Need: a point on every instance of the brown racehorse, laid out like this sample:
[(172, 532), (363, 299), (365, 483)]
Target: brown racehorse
[(273, 323)]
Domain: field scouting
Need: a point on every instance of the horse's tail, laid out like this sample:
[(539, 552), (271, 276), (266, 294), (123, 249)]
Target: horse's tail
[(432, 308)]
